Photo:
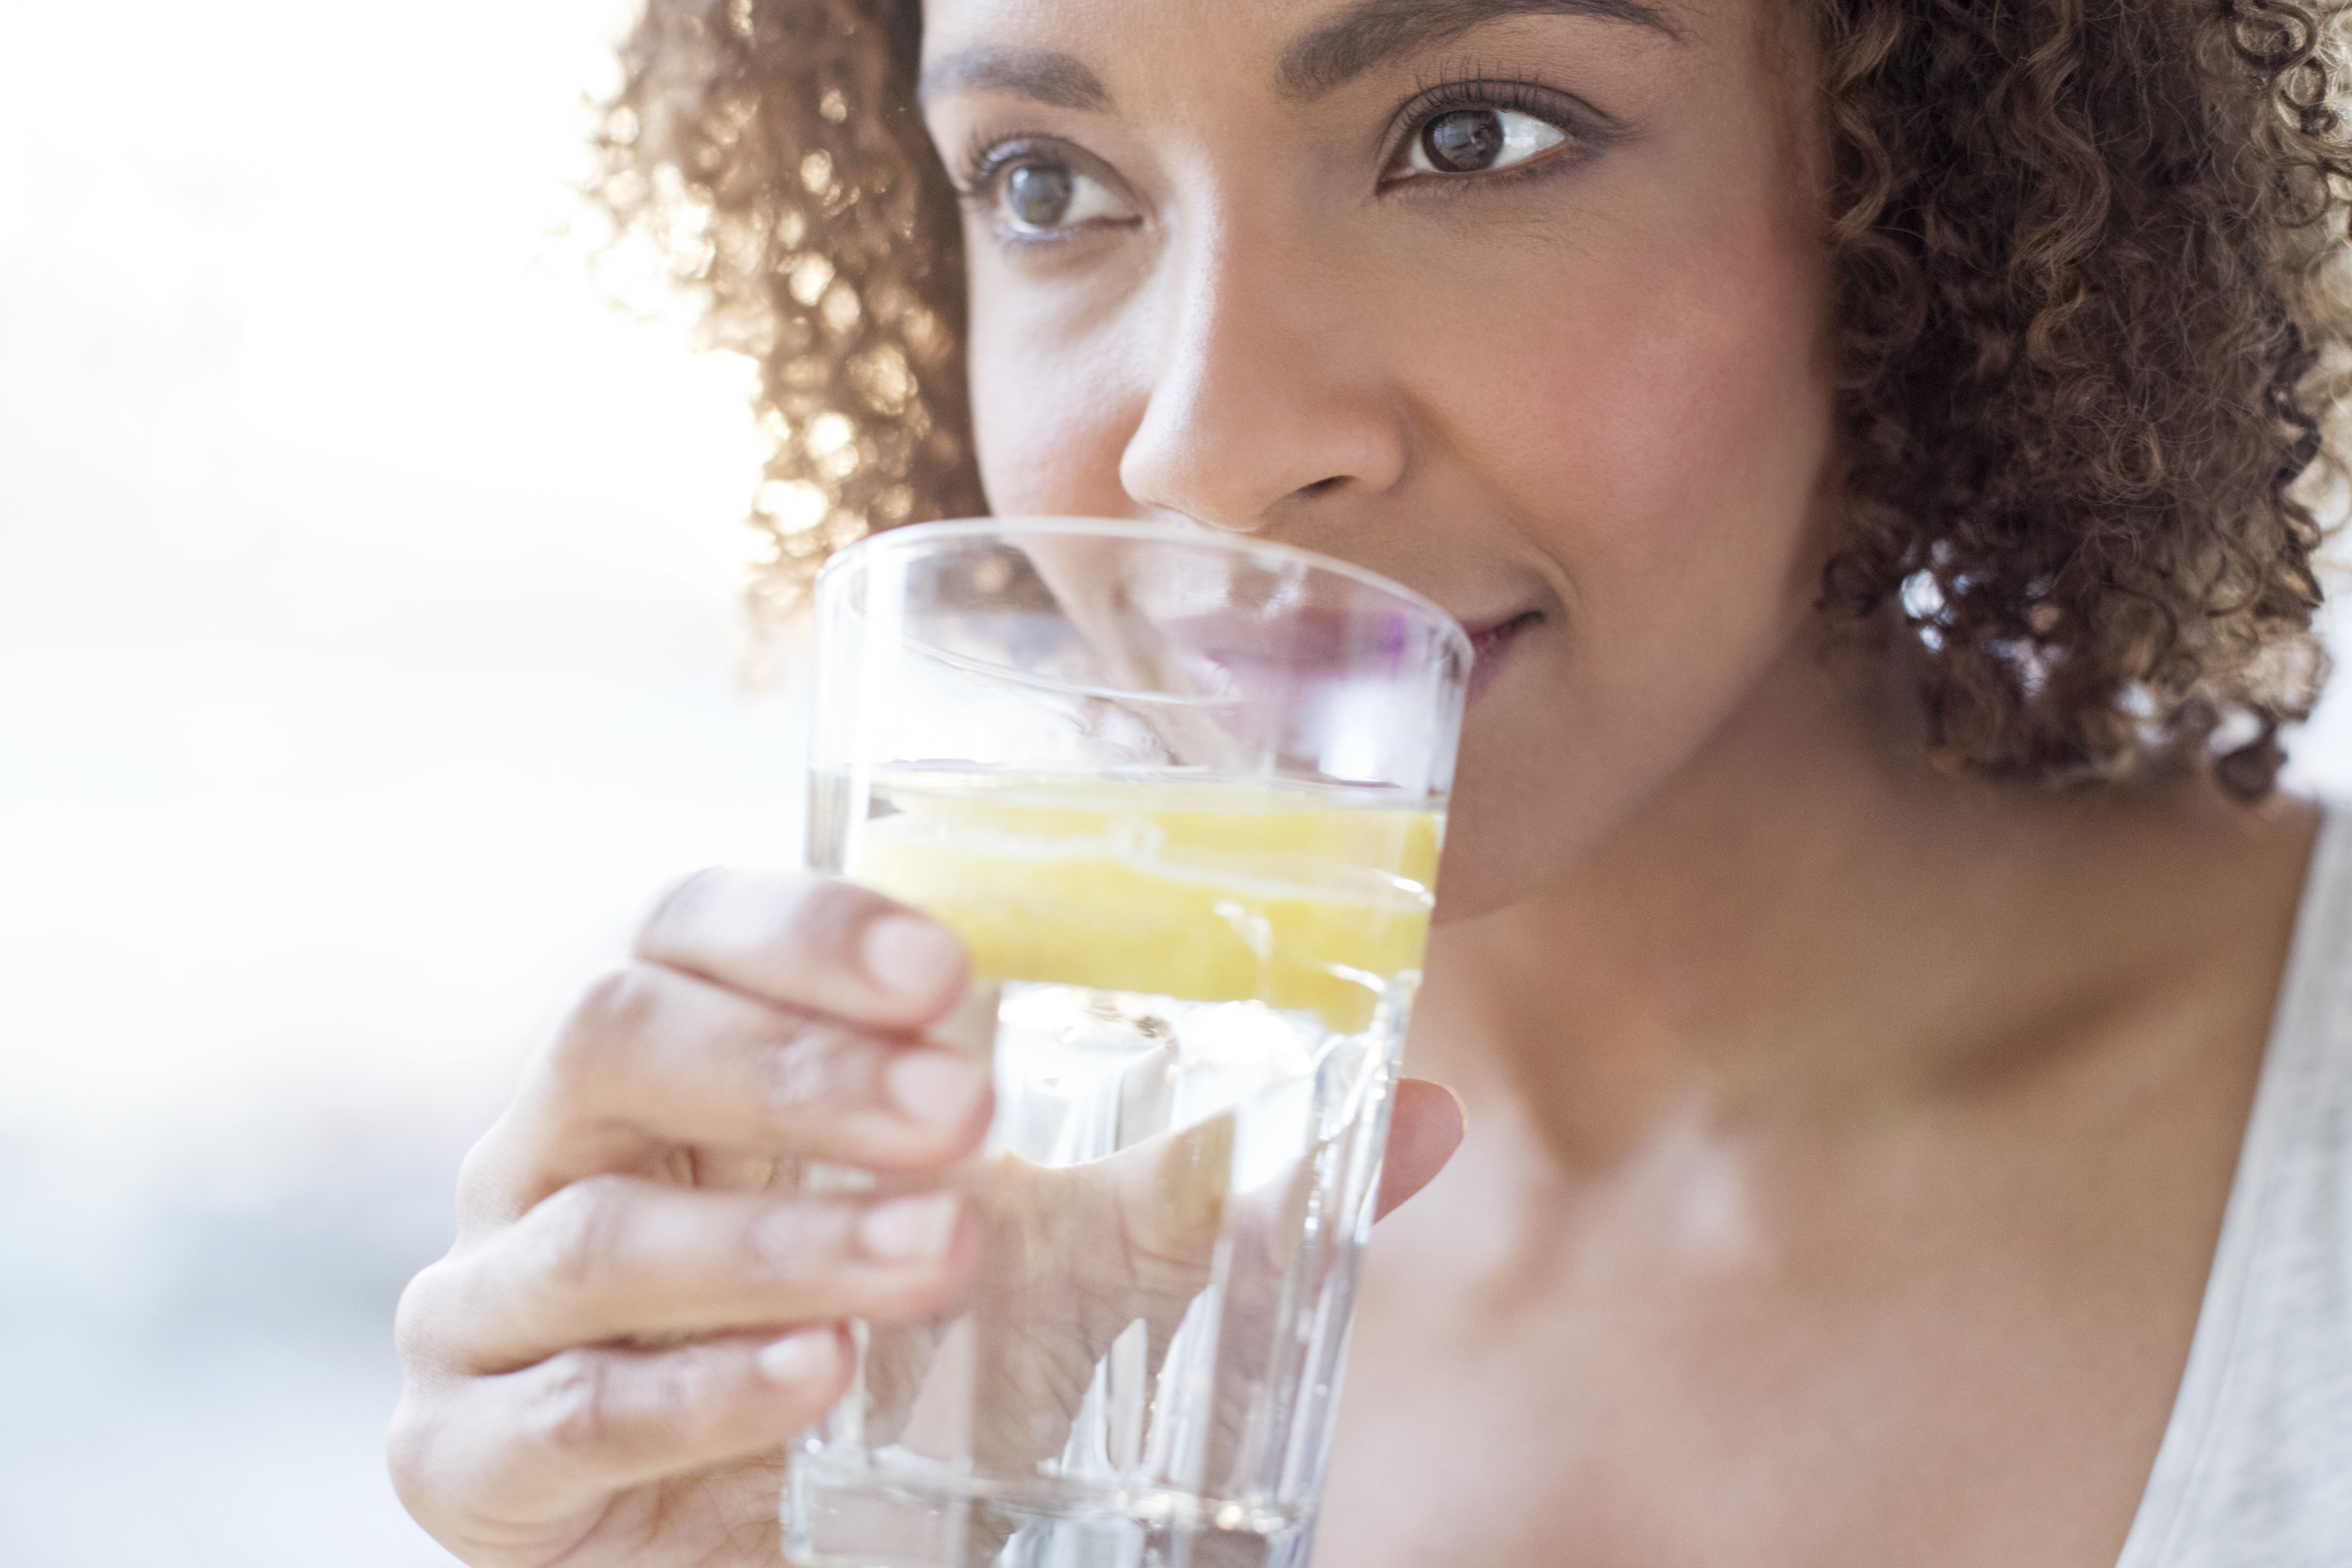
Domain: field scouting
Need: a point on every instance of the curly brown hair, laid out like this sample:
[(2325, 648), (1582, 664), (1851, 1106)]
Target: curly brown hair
[(2092, 301)]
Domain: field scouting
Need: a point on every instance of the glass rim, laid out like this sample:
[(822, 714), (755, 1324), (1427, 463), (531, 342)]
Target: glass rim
[(911, 533)]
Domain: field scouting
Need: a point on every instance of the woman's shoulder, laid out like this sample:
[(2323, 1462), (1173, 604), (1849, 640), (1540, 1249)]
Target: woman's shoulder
[(2311, 1021)]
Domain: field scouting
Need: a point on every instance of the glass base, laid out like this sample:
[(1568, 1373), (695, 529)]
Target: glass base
[(901, 1519)]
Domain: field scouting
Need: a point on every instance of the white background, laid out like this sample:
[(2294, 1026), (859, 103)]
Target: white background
[(367, 654)]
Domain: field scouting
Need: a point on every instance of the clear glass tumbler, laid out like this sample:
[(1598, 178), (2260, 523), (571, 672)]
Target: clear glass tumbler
[(1182, 793)]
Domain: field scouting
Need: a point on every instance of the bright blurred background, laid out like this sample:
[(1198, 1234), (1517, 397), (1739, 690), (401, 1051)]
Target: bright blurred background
[(369, 650)]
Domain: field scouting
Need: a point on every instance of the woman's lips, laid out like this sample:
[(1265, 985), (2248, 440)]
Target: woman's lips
[(1490, 643)]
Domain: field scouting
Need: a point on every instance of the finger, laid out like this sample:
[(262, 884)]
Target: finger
[(520, 1458), (652, 1059), (615, 1257), (1425, 1126), (809, 943)]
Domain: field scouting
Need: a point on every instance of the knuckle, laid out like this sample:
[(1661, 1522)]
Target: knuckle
[(815, 1064), (685, 1388), (574, 1413), (678, 911), (791, 1240), (482, 1177), (407, 1451), (419, 1320), (819, 913), (603, 1404), (618, 1005), (577, 1232)]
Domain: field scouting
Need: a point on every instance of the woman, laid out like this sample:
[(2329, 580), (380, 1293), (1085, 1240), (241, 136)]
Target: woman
[(1873, 443)]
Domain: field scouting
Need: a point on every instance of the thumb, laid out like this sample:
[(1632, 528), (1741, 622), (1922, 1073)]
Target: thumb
[(1424, 1129)]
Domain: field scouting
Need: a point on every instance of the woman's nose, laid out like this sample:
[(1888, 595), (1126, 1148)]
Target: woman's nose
[(1268, 398)]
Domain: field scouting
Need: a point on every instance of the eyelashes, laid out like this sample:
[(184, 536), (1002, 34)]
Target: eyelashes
[(989, 154), (1038, 190), (1583, 130), (1473, 88), (1573, 131)]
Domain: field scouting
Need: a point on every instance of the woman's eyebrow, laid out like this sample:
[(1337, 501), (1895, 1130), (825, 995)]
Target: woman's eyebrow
[(1374, 32), (1047, 76)]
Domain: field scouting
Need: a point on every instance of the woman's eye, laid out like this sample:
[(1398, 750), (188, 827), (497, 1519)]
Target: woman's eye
[(1473, 140), (1042, 197)]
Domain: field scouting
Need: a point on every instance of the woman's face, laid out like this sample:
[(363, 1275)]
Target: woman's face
[(1521, 302)]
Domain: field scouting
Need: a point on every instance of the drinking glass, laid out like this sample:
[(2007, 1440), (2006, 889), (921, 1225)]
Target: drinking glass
[(1182, 795)]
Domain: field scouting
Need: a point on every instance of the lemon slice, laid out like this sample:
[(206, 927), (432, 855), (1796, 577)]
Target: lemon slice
[(1204, 893)]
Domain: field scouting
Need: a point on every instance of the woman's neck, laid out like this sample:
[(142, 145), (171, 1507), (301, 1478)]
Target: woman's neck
[(1811, 918)]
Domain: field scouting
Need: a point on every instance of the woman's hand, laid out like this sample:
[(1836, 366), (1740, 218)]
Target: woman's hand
[(641, 1307)]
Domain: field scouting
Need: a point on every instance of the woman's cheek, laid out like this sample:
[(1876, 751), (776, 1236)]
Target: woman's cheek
[(1054, 398), (1049, 440), (1662, 447), (1671, 399), (1665, 446)]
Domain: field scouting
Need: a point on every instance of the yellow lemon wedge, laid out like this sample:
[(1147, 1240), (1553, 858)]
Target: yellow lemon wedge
[(1209, 892)]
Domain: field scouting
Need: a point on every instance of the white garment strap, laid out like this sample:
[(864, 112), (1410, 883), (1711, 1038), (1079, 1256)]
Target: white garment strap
[(2255, 1470)]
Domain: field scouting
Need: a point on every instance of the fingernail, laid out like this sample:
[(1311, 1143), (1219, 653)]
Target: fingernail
[(911, 955), (937, 1086), (908, 1230), (805, 1357)]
